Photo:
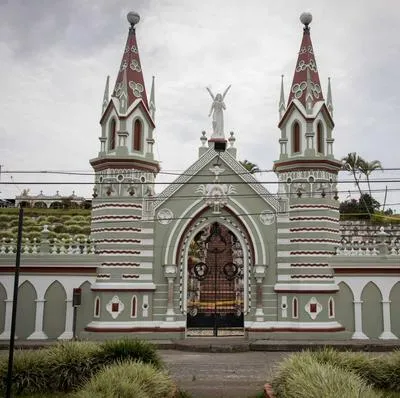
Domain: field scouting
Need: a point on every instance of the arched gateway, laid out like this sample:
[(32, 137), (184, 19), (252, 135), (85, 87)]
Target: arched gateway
[(215, 267)]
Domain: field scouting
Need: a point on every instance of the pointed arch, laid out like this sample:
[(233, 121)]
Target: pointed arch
[(394, 299), (112, 134), (85, 312), (54, 310), (134, 307), (296, 147), (26, 311), (345, 306), (320, 138), (96, 310), (295, 308), (137, 136), (372, 312), (331, 308), (3, 298)]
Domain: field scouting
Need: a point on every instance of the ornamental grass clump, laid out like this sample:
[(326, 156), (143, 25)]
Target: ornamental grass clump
[(30, 372), (129, 349), (381, 371), (129, 379), (301, 376)]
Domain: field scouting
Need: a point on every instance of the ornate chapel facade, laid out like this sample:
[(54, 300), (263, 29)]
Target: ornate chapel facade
[(215, 252)]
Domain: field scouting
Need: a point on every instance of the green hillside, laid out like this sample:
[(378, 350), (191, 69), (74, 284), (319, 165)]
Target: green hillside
[(62, 223)]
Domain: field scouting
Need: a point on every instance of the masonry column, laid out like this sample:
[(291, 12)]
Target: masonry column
[(259, 274), (358, 333), (170, 272), (387, 329), (38, 334), (68, 333), (7, 325)]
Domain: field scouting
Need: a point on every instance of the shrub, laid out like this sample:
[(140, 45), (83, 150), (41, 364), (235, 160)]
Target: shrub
[(129, 380), (302, 376), (380, 371), (127, 349), (31, 369)]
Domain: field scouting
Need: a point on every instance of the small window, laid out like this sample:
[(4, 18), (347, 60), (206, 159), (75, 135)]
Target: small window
[(331, 306), (296, 138), (112, 135), (133, 307), (137, 135), (320, 138), (295, 308), (97, 307)]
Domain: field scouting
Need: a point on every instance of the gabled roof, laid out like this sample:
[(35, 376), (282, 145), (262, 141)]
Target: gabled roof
[(230, 161)]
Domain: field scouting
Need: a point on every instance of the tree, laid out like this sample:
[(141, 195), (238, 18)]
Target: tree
[(249, 166), (367, 168), (359, 209)]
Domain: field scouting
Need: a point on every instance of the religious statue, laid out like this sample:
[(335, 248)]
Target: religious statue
[(217, 112)]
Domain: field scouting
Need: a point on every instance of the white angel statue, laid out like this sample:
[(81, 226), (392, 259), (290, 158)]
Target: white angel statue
[(217, 112)]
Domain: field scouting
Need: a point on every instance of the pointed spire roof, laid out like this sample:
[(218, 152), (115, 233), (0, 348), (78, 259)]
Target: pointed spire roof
[(131, 68), (282, 107), (306, 79)]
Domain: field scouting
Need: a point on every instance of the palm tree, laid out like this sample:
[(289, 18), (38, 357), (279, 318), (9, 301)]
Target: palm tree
[(351, 163), (367, 168), (249, 166)]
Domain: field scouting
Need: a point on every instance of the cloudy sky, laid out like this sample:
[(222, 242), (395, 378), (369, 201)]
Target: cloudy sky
[(55, 56)]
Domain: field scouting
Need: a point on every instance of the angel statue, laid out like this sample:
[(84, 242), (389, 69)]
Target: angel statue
[(217, 111)]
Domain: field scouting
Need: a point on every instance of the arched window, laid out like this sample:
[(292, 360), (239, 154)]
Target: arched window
[(296, 138), (295, 308), (133, 307), (137, 135), (112, 135), (331, 307), (97, 307), (320, 138)]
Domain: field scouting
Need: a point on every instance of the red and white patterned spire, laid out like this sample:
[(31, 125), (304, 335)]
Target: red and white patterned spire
[(130, 71), (306, 86)]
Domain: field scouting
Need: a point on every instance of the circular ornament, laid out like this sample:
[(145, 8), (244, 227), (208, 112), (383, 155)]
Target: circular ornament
[(267, 217), (165, 216)]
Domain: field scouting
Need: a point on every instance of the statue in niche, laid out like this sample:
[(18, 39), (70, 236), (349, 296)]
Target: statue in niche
[(217, 112)]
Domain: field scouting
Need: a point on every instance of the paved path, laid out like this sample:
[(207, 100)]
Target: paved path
[(221, 375)]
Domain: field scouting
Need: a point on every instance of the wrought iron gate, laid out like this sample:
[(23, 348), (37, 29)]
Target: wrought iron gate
[(215, 280)]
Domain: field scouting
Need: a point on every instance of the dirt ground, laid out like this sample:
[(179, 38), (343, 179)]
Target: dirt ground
[(221, 375)]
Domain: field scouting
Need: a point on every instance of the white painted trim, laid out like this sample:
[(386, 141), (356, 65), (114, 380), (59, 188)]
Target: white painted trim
[(305, 287), (97, 298), (131, 324), (295, 306), (134, 297), (296, 325), (123, 286), (331, 316)]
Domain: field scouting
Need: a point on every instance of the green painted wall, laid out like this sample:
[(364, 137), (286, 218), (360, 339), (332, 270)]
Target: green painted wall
[(345, 307), (3, 296), (85, 310), (372, 316), (54, 310), (26, 311), (395, 309)]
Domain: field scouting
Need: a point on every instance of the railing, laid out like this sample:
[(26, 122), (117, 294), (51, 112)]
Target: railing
[(55, 247), (372, 247)]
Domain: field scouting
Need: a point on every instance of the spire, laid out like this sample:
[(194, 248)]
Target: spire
[(329, 103), (106, 94), (152, 101), (306, 79), (282, 107), (131, 69)]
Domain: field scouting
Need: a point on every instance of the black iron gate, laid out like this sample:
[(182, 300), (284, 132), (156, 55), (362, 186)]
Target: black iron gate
[(215, 281)]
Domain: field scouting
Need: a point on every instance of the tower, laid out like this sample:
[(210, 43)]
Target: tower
[(308, 230), (125, 170)]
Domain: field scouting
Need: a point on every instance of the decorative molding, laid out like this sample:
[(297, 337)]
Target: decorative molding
[(313, 308), (165, 216), (115, 306)]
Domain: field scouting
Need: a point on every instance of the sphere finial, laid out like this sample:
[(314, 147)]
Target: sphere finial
[(133, 18), (306, 18)]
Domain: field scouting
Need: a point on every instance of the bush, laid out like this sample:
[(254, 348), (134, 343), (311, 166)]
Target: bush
[(66, 366), (302, 376), (129, 380), (126, 349), (380, 371)]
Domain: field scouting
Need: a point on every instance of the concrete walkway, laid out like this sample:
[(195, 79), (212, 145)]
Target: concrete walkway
[(221, 375)]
